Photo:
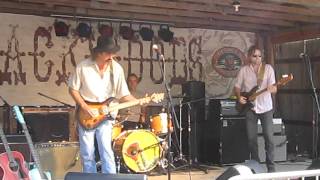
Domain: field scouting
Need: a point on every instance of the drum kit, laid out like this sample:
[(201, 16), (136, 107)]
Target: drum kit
[(140, 150)]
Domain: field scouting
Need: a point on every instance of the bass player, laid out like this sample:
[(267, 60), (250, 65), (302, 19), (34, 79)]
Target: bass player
[(257, 73)]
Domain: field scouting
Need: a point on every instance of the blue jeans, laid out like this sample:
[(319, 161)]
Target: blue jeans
[(103, 134), (266, 120)]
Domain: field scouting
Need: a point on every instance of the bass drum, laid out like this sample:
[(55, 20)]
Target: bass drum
[(139, 149)]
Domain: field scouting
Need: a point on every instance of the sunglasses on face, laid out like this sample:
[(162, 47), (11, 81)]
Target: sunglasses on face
[(256, 56)]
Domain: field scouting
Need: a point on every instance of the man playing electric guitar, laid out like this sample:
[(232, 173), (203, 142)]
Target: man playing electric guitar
[(262, 75), (94, 81)]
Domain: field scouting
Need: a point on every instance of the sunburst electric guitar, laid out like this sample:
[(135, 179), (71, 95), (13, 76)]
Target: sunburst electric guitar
[(254, 93), (110, 108)]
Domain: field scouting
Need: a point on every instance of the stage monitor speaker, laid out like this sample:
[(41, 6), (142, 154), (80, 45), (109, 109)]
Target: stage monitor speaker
[(18, 143), (247, 168), (59, 158), (45, 127), (99, 176)]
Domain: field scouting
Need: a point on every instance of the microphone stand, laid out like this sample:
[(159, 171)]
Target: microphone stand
[(65, 104), (315, 120), (170, 105)]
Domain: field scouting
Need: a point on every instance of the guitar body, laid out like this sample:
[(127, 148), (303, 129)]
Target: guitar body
[(100, 111), (253, 93), (243, 108), (109, 108), (6, 173)]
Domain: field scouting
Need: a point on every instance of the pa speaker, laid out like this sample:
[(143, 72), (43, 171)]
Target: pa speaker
[(246, 168), (99, 176)]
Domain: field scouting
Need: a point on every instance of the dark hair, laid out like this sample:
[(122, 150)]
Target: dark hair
[(252, 49), (133, 75)]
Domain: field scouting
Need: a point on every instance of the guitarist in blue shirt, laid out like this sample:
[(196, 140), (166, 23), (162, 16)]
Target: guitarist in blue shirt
[(256, 76)]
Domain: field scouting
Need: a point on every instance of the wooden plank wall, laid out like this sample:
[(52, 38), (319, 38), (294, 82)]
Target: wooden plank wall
[(295, 104)]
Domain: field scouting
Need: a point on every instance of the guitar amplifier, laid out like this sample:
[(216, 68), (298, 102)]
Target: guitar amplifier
[(278, 127), (59, 158)]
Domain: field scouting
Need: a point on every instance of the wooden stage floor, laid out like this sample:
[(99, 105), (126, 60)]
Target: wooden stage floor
[(216, 171)]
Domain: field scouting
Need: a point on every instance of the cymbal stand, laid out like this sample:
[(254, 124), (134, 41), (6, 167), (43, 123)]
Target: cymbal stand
[(192, 163), (181, 156)]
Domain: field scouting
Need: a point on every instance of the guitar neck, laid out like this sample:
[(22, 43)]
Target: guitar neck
[(126, 104), (32, 149), (255, 95), (6, 146)]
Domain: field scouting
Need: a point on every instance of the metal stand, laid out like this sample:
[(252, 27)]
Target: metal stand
[(192, 163), (180, 156), (315, 119), (170, 106)]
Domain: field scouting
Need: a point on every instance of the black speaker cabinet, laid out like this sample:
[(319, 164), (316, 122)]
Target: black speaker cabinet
[(225, 141), (44, 127), (193, 89), (100, 176)]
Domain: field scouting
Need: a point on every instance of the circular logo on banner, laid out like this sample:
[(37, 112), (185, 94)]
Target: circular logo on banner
[(227, 61)]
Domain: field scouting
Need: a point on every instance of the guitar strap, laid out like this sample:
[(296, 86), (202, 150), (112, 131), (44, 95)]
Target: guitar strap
[(112, 79), (261, 74)]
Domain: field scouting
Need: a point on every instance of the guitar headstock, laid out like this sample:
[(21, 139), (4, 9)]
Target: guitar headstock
[(18, 115), (157, 97), (285, 79)]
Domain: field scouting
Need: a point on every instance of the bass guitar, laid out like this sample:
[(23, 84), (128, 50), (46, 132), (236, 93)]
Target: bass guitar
[(36, 173), (110, 108), (254, 93), (12, 163)]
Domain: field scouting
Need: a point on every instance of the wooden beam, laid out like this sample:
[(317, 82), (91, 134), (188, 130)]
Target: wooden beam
[(211, 8), (308, 3), (163, 18), (310, 32)]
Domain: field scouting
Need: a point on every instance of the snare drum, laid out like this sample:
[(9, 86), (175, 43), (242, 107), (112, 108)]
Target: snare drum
[(159, 124), (139, 149)]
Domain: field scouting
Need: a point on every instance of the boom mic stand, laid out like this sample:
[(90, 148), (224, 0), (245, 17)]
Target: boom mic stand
[(65, 104), (315, 120), (170, 104)]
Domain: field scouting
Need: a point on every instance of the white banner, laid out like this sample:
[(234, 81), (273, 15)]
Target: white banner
[(34, 60)]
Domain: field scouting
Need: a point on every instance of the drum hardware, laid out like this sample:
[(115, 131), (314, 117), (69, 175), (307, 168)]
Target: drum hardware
[(181, 156), (192, 164)]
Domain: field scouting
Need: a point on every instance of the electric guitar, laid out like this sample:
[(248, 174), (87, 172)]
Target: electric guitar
[(12, 163), (36, 173), (253, 94), (110, 108)]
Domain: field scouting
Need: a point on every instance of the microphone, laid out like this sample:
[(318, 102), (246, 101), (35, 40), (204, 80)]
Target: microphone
[(157, 50), (302, 55)]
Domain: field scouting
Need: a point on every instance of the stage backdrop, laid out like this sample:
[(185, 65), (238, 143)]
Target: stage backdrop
[(34, 60)]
